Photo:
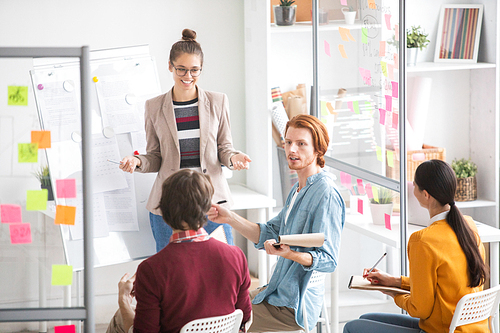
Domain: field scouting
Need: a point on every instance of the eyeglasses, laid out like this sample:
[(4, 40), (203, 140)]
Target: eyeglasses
[(183, 71)]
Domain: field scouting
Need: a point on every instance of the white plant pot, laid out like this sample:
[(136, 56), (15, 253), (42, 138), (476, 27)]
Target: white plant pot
[(349, 17), (379, 211)]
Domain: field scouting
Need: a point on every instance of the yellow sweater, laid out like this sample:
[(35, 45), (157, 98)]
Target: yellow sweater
[(438, 278)]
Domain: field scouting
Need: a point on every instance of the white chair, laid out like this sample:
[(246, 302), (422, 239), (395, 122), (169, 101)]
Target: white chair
[(317, 278), (222, 324), (476, 307)]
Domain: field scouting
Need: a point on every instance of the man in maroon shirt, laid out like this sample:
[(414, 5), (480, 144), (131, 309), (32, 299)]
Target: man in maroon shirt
[(194, 276)]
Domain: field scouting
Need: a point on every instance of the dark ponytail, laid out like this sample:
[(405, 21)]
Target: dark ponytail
[(438, 179), (187, 44)]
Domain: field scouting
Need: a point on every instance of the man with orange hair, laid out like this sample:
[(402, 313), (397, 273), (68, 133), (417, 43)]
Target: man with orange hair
[(314, 205)]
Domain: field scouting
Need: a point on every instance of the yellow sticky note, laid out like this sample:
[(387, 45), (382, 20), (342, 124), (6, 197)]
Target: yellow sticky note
[(324, 112), (65, 215), (17, 95), (342, 51), (42, 138), (36, 199), (379, 153), (390, 158), (383, 64), (355, 105), (27, 152), (375, 193), (62, 275)]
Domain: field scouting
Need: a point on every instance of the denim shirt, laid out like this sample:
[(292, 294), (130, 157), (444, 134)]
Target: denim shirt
[(318, 208)]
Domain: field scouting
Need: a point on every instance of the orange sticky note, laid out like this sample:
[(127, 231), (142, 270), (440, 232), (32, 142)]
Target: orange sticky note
[(342, 51), (390, 71), (371, 4), (329, 107), (343, 34), (20, 233), (42, 138), (381, 51), (65, 215), (396, 61), (396, 32)]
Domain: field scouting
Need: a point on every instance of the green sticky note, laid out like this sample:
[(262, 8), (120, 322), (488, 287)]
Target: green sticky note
[(37, 199), (17, 95), (355, 106), (390, 158), (27, 152), (384, 67), (324, 111), (379, 153), (364, 35), (62, 275)]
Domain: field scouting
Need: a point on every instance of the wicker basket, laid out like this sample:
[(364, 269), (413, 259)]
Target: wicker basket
[(414, 159), (466, 189)]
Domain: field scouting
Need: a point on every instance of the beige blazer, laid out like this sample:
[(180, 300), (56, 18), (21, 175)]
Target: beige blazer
[(162, 149)]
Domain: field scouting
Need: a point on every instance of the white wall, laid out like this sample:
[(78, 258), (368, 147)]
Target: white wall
[(101, 25)]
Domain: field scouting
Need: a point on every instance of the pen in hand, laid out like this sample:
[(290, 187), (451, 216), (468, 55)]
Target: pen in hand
[(221, 202), (371, 269), (115, 162)]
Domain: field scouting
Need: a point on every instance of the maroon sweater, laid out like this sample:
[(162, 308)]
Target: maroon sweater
[(187, 281)]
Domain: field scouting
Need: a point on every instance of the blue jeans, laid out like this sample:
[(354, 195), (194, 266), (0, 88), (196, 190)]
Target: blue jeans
[(383, 323), (162, 231)]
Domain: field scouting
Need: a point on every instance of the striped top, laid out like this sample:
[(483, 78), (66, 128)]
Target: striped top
[(188, 131)]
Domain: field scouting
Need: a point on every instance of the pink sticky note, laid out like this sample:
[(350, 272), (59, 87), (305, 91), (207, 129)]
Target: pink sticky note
[(381, 51), (360, 206), (10, 214), (361, 188), (418, 157), (388, 102), (396, 61), (343, 2), (368, 76), (20, 233), (395, 120), (348, 179), (369, 191), (395, 87), (382, 116), (390, 71), (327, 49), (66, 188), (387, 221), (388, 21), (349, 105), (65, 329)]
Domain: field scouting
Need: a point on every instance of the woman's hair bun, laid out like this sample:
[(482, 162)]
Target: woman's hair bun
[(188, 35)]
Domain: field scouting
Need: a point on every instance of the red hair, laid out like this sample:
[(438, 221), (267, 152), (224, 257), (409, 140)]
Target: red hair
[(318, 131)]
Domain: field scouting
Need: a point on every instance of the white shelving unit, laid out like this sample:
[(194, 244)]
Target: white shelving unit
[(463, 114)]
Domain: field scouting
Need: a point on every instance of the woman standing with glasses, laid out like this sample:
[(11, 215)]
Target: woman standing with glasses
[(187, 127)]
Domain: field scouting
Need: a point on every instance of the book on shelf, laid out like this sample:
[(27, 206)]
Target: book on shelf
[(358, 282)]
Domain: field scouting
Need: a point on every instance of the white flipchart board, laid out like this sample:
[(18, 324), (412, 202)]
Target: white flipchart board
[(123, 80)]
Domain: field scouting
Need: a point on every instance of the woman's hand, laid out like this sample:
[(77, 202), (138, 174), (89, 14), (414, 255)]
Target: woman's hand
[(240, 161), (129, 163), (126, 291), (381, 278), (219, 214)]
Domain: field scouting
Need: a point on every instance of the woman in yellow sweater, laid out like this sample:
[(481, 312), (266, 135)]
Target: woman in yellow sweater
[(446, 262)]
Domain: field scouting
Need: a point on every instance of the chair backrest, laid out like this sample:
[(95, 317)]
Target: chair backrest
[(222, 324), (476, 307)]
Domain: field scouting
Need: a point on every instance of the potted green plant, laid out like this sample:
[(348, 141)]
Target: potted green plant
[(381, 204), (43, 176), (284, 13), (416, 39), (349, 14), (466, 171)]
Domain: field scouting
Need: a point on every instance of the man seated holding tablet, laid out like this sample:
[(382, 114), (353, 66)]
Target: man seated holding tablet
[(193, 277)]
